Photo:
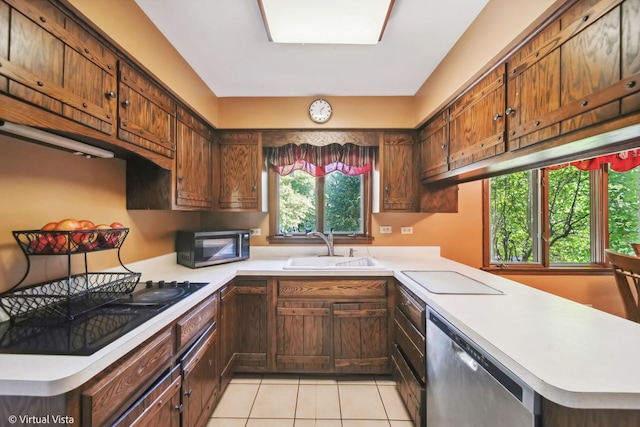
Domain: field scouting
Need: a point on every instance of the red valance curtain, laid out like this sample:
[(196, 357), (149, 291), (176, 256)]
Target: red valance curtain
[(619, 162), (350, 159)]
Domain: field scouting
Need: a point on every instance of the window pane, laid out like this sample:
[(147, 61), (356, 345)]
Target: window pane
[(569, 216), (623, 210), (512, 217), (296, 202), (343, 203)]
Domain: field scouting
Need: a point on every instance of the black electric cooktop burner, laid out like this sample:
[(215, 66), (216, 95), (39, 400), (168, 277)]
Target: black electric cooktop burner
[(97, 328)]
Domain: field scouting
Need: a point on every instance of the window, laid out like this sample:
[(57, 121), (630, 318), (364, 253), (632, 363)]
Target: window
[(562, 217), (331, 202), (322, 189)]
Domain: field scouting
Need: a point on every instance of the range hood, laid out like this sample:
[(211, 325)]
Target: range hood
[(73, 146)]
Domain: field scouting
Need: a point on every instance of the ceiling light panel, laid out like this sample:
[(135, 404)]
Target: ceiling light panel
[(326, 21)]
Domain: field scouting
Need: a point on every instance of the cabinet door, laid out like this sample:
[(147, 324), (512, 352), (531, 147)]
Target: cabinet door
[(239, 173), (146, 113), (399, 180), (50, 61), (252, 307), (361, 337), (229, 324), (303, 342), (200, 380), (434, 146), (476, 121), (193, 163), (581, 70)]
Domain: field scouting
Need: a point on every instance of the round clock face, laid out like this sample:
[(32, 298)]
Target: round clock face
[(320, 111)]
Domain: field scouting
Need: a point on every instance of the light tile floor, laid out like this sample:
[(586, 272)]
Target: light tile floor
[(293, 401)]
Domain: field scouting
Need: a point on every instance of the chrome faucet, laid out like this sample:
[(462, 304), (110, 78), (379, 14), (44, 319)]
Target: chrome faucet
[(328, 240)]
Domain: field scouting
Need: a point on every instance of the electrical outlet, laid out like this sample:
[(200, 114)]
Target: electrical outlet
[(385, 229), (255, 232), (406, 230)]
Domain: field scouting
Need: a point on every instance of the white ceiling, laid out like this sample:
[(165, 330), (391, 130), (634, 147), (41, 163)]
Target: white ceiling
[(225, 42)]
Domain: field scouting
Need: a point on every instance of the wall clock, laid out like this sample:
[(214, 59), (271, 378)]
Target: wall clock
[(320, 111)]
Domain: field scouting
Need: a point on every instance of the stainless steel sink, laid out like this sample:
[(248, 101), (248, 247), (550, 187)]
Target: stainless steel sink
[(332, 263), (450, 282)]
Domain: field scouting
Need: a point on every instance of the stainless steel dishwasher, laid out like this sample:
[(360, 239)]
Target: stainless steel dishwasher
[(466, 387)]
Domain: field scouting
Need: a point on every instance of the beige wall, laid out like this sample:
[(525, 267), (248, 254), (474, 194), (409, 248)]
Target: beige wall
[(375, 112), (39, 184)]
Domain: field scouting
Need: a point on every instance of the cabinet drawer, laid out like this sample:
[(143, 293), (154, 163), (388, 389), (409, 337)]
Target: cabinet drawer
[(414, 355), (412, 393), (412, 308), (189, 326), (332, 288), (159, 406), (104, 400)]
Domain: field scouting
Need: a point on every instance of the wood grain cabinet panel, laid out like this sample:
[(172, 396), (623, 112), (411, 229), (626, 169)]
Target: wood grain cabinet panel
[(230, 339), (237, 171), (399, 186), (191, 325), (125, 381), (361, 337), (434, 146), (201, 382), (303, 336), (252, 307), (146, 113), (160, 406), (50, 61), (332, 289), (476, 121), (193, 162)]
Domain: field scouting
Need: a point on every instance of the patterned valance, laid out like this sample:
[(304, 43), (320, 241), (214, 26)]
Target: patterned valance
[(620, 162), (349, 159)]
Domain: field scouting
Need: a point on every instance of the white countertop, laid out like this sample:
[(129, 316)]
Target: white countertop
[(571, 354)]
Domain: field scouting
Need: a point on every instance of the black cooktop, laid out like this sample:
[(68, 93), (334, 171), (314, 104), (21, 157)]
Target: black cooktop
[(95, 329)]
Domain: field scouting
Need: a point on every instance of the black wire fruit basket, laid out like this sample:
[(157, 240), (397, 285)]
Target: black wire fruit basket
[(67, 297)]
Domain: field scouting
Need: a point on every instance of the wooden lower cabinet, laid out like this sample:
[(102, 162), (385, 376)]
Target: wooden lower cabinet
[(361, 337), (303, 336), (332, 325), (408, 353), (200, 390)]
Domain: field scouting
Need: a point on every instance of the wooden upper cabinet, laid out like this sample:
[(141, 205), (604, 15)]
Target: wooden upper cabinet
[(146, 113), (238, 170), (50, 61), (580, 71), (399, 187), (193, 162), (434, 146), (476, 121)]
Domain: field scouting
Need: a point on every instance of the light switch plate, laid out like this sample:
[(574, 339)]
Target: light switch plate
[(255, 231), (406, 230), (385, 229)]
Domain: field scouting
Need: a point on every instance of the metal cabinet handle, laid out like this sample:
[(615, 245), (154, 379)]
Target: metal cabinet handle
[(111, 94), (497, 116), (509, 110), (188, 393), (126, 103)]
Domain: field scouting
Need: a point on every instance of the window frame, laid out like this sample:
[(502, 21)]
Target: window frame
[(599, 230), (302, 239)]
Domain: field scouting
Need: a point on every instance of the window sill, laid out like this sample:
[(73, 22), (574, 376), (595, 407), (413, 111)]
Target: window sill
[(308, 240), (590, 270)]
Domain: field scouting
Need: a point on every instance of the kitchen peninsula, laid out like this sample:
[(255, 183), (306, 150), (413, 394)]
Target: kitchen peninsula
[(580, 360)]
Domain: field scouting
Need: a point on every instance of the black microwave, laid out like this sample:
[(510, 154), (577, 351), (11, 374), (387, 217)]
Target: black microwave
[(205, 248)]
